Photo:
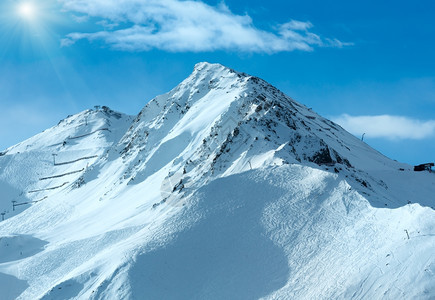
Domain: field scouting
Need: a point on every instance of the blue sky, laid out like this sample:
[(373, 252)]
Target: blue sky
[(368, 65)]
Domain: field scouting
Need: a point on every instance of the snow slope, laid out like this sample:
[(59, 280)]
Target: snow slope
[(30, 172), (223, 188)]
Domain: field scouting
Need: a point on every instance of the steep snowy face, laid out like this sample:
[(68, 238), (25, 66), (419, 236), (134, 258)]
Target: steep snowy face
[(192, 108), (173, 130), (219, 122)]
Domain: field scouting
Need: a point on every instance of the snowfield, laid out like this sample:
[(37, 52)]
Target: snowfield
[(223, 188)]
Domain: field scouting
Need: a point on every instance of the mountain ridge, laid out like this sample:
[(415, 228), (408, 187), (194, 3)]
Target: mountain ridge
[(223, 186)]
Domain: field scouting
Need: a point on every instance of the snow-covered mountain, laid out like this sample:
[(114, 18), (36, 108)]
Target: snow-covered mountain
[(223, 188)]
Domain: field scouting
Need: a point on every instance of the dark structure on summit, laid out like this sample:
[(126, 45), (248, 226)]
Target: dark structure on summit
[(424, 167)]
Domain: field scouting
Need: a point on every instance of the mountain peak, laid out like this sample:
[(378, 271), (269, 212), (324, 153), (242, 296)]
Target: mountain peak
[(219, 121), (205, 71), (99, 124), (206, 66), (224, 186)]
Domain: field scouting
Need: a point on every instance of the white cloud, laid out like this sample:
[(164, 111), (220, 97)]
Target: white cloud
[(80, 19), (181, 26), (107, 25), (386, 126)]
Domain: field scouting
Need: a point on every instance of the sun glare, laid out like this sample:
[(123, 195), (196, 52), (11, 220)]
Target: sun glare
[(27, 10)]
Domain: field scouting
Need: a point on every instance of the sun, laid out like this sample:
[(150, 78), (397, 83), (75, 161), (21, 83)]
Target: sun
[(27, 10)]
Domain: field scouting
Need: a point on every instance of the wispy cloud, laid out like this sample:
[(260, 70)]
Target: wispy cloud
[(80, 19), (386, 126), (184, 26)]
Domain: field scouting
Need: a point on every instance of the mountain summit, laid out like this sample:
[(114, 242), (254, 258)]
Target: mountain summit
[(222, 188)]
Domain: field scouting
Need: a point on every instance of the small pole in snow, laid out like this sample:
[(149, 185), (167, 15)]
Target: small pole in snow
[(407, 234), (54, 158), (13, 204), (250, 164), (362, 138), (3, 216)]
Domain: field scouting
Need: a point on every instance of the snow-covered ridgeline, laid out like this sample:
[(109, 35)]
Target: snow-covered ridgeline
[(222, 187)]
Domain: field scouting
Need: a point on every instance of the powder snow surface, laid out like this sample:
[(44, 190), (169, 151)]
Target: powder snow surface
[(223, 188)]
